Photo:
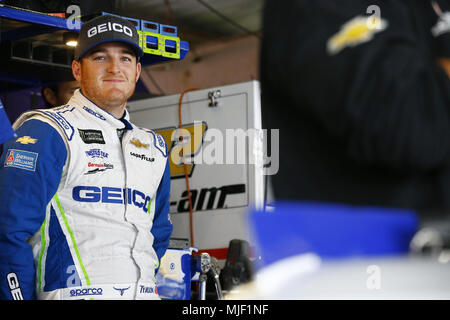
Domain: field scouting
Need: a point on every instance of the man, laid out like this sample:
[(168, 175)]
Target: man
[(361, 94), (57, 94), (84, 187)]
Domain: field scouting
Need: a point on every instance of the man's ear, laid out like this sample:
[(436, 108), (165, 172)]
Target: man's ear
[(76, 70), (138, 71), (50, 96)]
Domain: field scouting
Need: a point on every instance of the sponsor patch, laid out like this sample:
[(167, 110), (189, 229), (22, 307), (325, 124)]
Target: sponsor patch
[(121, 290), (91, 136), (145, 289), (86, 292), (354, 32), (96, 153), (21, 159), (161, 145), (60, 120), (26, 140), (14, 286), (99, 167), (139, 144), (112, 195), (142, 157), (96, 114)]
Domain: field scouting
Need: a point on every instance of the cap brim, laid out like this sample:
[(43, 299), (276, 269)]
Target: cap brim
[(137, 50)]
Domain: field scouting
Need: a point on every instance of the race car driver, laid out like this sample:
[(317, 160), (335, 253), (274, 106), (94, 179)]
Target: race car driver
[(84, 192)]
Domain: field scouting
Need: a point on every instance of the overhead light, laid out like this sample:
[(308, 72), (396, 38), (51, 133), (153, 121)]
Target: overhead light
[(70, 38)]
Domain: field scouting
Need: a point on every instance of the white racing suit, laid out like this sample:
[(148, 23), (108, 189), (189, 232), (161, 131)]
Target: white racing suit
[(90, 194)]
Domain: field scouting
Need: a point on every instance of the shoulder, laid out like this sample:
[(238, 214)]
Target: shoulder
[(35, 138), (158, 140), (59, 118)]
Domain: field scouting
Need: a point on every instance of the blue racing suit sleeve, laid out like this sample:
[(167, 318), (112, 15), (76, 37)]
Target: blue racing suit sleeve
[(30, 171), (162, 226)]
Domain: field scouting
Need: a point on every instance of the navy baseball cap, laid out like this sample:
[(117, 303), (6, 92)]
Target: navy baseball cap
[(107, 28)]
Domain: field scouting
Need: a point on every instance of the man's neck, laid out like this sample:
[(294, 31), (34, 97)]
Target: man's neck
[(116, 109)]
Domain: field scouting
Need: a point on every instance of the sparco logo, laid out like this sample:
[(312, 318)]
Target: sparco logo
[(86, 292), (117, 27), (96, 114)]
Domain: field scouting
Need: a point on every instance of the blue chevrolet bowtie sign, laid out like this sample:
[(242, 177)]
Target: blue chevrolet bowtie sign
[(6, 131)]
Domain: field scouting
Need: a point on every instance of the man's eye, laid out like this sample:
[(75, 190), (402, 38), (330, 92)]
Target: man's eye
[(99, 58), (126, 59)]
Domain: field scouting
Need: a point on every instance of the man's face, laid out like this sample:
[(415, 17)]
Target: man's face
[(108, 74), (62, 93), (65, 91)]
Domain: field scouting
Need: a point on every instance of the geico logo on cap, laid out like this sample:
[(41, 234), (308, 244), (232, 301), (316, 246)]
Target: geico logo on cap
[(117, 27)]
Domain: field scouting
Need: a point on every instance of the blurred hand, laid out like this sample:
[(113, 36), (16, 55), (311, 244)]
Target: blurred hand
[(445, 63)]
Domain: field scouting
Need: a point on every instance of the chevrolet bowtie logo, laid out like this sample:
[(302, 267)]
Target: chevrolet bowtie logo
[(356, 31), (26, 140), (139, 144)]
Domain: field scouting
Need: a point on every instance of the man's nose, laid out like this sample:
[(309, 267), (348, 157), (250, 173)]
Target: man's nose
[(113, 65)]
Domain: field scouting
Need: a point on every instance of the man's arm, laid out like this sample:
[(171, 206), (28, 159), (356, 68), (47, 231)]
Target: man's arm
[(162, 226), (30, 171)]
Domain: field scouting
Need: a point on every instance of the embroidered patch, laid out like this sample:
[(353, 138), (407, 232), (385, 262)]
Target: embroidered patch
[(96, 114), (26, 140), (96, 153), (21, 159), (161, 145), (356, 31), (91, 136), (60, 120), (139, 144)]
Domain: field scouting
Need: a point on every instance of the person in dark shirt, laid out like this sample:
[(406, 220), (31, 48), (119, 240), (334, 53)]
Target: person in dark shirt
[(360, 91), (58, 94)]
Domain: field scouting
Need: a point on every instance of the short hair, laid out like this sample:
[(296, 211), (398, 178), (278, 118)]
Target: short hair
[(54, 88)]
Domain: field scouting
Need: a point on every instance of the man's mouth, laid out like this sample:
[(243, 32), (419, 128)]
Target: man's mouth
[(114, 80)]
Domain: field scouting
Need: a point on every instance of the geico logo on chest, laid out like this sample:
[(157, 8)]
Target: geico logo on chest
[(108, 27), (112, 195)]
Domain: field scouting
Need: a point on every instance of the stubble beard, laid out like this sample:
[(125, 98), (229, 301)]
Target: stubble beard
[(110, 101)]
